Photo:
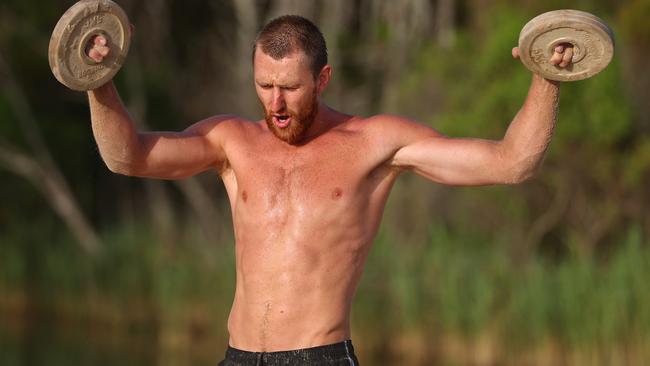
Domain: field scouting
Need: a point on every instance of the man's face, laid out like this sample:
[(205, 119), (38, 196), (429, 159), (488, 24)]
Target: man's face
[(288, 93)]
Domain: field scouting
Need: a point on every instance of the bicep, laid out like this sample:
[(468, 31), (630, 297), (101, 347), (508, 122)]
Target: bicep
[(453, 161), (175, 155)]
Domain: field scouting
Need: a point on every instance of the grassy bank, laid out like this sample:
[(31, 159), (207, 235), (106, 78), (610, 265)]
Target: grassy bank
[(456, 298)]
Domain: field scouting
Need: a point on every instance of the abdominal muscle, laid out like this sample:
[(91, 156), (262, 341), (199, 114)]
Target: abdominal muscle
[(304, 220), (295, 281)]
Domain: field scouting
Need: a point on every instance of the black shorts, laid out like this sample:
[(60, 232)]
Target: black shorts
[(337, 354)]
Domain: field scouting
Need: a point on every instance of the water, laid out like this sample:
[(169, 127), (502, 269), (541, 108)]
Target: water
[(44, 345)]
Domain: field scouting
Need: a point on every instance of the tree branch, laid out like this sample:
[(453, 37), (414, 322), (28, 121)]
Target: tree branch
[(57, 195), (42, 171)]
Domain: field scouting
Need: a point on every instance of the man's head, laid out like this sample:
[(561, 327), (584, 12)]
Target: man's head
[(291, 33), (291, 71)]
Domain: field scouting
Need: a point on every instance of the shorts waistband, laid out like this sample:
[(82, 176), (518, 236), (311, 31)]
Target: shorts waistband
[(342, 351)]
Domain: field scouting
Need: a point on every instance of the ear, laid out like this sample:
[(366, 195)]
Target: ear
[(324, 78)]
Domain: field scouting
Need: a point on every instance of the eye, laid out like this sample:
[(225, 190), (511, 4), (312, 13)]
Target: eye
[(265, 86)]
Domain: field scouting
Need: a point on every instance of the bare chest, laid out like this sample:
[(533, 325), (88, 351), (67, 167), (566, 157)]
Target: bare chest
[(299, 179), (329, 191)]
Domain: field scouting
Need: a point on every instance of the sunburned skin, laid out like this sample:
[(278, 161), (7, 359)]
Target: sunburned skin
[(304, 221), (307, 203)]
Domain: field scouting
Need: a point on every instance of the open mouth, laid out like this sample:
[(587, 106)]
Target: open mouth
[(281, 120)]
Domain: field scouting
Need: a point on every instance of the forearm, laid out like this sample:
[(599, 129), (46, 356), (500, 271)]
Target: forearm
[(529, 134), (114, 131)]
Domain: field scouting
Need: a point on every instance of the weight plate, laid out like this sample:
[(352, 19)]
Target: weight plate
[(592, 40), (72, 34)]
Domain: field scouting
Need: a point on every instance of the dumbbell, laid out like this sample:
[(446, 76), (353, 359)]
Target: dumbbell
[(77, 27), (591, 38)]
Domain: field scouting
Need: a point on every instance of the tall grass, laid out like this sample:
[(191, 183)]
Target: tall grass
[(470, 290), (417, 298)]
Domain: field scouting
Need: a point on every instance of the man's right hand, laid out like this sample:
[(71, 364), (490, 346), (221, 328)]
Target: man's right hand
[(562, 55), (97, 48)]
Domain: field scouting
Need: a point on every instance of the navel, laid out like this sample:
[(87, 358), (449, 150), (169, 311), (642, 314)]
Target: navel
[(337, 193), (244, 196)]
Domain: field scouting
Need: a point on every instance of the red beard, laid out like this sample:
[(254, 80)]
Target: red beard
[(299, 124)]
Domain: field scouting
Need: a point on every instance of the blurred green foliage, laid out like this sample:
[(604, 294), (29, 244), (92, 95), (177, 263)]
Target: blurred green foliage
[(558, 264)]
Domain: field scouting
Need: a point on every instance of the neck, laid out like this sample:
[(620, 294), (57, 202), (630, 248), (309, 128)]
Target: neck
[(324, 120)]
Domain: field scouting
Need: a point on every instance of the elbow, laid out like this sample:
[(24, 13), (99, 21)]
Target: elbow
[(520, 167), (521, 177), (117, 168), (125, 159), (121, 168), (521, 174)]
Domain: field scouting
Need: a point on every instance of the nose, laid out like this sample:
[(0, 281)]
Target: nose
[(277, 100)]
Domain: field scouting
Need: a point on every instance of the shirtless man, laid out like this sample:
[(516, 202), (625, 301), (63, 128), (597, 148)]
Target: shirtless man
[(307, 186)]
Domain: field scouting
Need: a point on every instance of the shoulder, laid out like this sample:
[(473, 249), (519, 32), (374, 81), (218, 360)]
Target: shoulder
[(221, 134), (396, 130), (392, 122), (220, 123), (384, 135), (221, 129)]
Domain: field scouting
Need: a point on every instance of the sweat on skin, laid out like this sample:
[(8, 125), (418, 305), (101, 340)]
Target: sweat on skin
[(307, 186)]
